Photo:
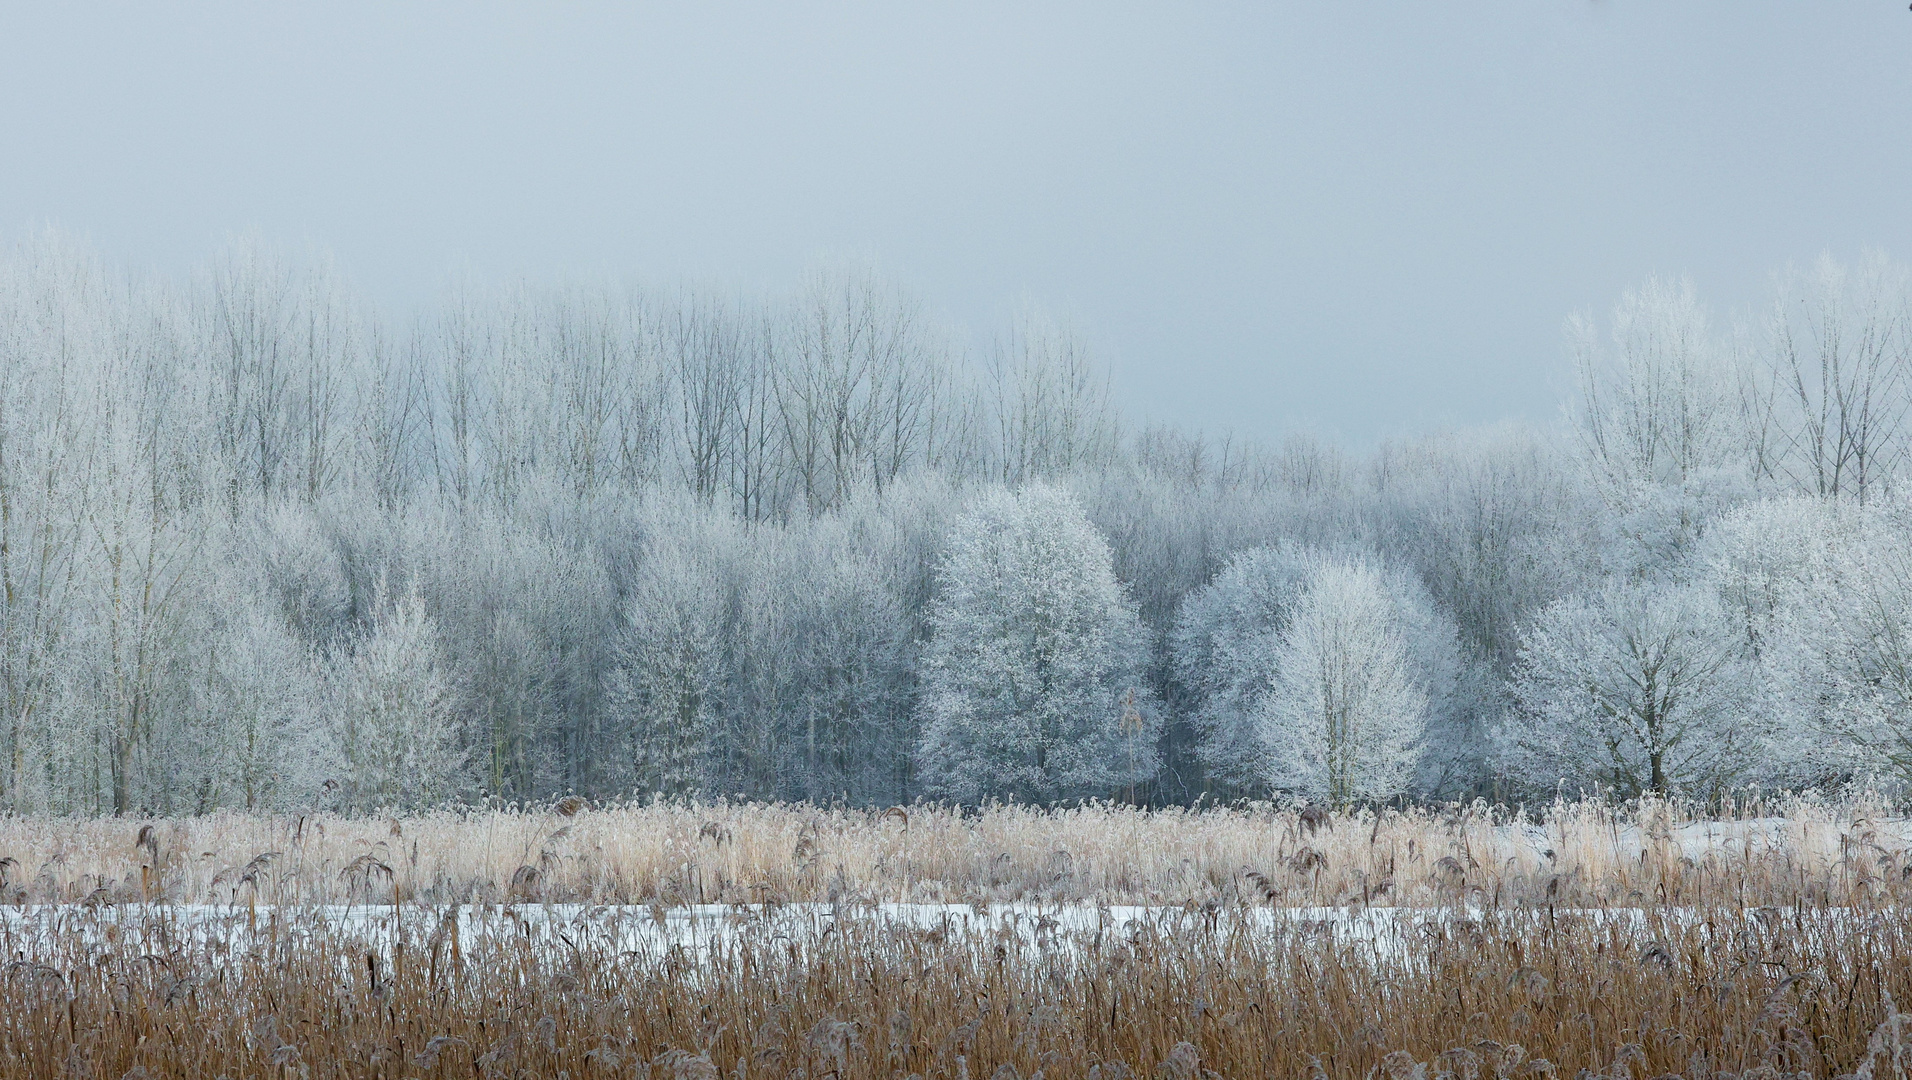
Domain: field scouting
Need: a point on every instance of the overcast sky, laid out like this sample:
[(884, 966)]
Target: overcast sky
[(1361, 218)]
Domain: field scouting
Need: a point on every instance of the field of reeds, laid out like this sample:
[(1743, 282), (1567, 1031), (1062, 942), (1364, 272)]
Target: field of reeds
[(1706, 994), (1645, 941), (1578, 853)]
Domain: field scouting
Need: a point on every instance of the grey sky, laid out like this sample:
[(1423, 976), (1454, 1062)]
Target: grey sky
[(1363, 218)]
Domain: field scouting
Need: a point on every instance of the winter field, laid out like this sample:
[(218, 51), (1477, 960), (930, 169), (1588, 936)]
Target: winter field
[(546, 595), (759, 940), (733, 613)]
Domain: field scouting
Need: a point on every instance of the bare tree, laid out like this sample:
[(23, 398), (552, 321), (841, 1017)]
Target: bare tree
[(856, 381), (1052, 413), (1837, 378), (708, 360), (1658, 410), (391, 408), (251, 315), (453, 417), (41, 523)]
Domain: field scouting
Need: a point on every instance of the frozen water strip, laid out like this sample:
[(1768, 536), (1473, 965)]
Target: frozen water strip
[(35, 934)]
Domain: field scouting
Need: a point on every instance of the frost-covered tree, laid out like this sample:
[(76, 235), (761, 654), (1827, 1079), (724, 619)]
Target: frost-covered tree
[(524, 618), (1774, 565), (860, 384), (1658, 407), (42, 490), (1218, 651), (1764, 558), (664, 699), (1224, 644), (1834, 627), (1048, 403), (255, 725), (849, 713), (617, 505), (1639, 688), (1863, 629), (1827, 402), (1477, 516), (1033, 685), (1345, 715), (1656, 427), (393, 726), (1234, 636)]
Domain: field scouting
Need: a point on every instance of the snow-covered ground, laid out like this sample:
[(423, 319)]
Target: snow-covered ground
[(696, 930), (1696, 840)]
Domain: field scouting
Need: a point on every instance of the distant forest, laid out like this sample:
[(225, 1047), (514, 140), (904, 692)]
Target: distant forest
[(263, 548)]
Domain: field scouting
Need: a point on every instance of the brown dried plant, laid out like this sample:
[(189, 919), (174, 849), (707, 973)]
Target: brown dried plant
[(1710, 993), (1786, 852)]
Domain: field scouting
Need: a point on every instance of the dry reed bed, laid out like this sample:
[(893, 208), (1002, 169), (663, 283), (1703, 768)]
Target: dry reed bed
[(1526, 993), (1584, 853)]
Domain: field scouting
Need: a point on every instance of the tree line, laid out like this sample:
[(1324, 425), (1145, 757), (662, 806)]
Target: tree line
[(261, 547)]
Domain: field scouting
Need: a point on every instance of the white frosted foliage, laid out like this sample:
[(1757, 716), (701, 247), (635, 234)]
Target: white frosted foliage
[(393, 727), (1347, 710), (1637, 688), (1032, 678)]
